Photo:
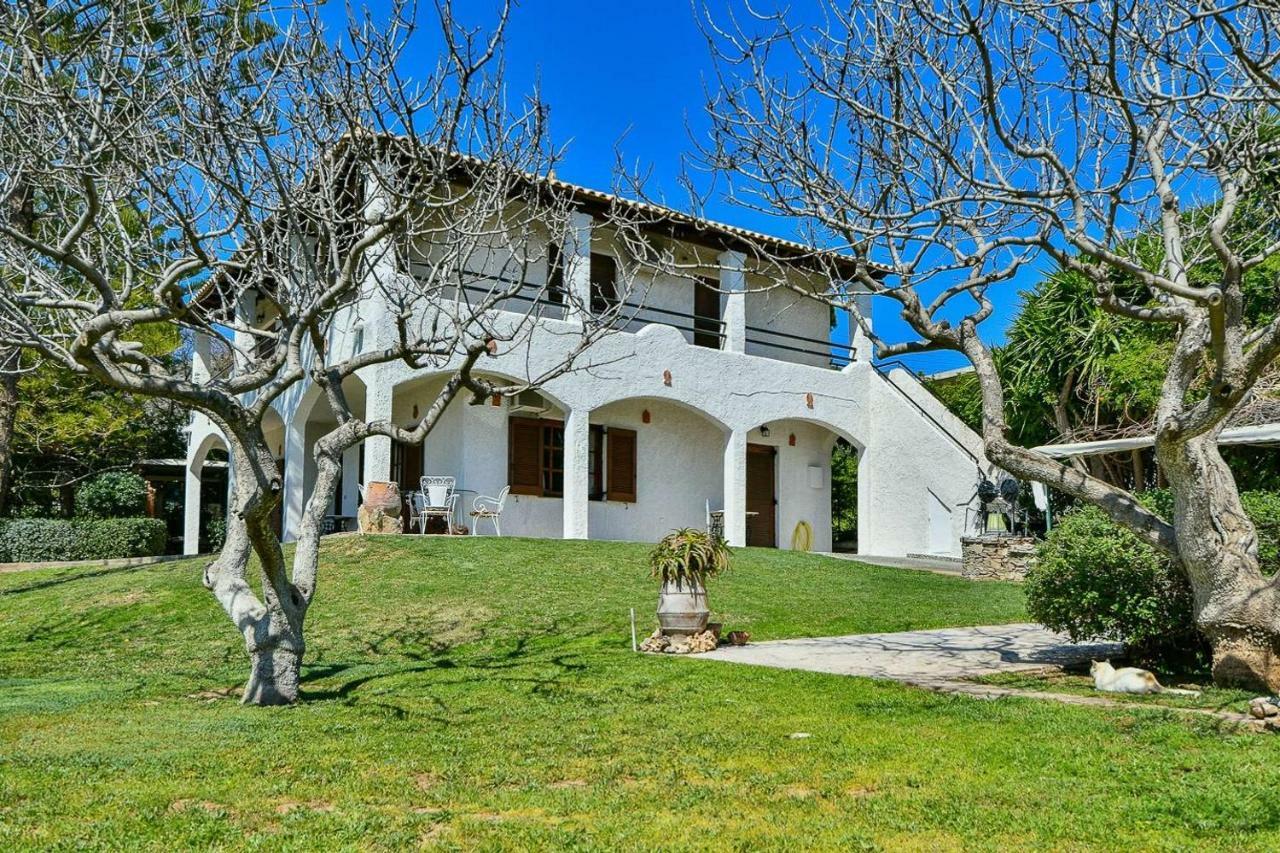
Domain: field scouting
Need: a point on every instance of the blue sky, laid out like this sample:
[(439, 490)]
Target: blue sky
[(630, 76)]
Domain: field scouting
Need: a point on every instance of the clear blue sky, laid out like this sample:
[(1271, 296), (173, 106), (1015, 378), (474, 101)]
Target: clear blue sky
[(630, 75)]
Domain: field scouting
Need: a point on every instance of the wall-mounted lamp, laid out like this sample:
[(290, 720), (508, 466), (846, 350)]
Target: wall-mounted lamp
[(764, 430)]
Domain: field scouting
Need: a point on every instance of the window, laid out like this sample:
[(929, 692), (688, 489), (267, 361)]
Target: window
[(555, 275), (552, 459), (604, 286), (535, 460), (706, 313)]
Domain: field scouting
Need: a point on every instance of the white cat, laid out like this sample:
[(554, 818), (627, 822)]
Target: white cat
[(1129, 679)]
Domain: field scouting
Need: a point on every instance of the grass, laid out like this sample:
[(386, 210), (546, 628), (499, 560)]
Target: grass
[(1080, 684), (482, 693)]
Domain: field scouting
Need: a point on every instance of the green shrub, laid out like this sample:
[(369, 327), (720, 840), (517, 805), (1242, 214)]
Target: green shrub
[(40, 540), (1095, 580), (116, 494)]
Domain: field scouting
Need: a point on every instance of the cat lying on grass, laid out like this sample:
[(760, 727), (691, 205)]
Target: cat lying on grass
[(1129, 679)]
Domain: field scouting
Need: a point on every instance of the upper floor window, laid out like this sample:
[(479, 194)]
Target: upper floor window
[(706, 313), (555, 275), (604, 283)]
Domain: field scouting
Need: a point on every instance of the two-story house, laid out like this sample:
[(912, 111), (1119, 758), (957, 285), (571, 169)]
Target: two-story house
[(717, 394)]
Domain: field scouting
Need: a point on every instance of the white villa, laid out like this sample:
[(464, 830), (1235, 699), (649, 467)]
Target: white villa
[(715, 396)]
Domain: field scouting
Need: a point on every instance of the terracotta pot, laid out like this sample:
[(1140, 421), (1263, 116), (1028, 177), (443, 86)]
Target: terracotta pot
[(382, 494), (682, 608)]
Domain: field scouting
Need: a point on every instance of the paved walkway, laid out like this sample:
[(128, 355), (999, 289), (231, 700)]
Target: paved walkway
[(942, 660), (937, 565), (925, 658)]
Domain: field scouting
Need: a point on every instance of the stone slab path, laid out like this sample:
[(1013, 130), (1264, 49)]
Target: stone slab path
[(923, 657), (944, 659)]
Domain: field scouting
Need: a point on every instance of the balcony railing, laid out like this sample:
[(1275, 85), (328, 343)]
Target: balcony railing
[(632, 316)]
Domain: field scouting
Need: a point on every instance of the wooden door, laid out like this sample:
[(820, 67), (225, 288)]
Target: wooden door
[(406, 469), (761, 528)]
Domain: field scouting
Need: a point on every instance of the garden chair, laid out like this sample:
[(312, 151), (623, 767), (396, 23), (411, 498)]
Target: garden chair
[(490, 508)]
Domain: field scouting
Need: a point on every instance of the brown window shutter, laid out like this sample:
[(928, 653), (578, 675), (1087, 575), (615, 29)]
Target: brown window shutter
[(524, 456), (622, 464)]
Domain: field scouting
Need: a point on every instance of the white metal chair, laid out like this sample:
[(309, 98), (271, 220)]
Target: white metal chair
[(490, 508), (439, 499), (417, 508)]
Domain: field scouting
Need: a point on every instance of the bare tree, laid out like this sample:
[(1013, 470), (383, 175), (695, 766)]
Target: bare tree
[(249, 177), (952, 144)]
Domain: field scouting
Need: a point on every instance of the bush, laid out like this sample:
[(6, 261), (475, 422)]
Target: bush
[(39, 540), (1095, 580), (116, 494)]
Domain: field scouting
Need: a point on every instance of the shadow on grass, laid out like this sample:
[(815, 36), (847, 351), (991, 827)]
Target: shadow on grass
[(535, 659), (58, 580)]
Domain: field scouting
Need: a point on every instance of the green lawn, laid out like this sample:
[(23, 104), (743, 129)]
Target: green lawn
[(1211, 698), (483, 693)]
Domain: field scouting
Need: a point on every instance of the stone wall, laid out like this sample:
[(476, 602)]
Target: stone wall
[(1004, 558)]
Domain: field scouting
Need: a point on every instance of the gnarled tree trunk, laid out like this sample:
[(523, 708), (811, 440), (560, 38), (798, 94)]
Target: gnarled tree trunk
[(1235, 605)]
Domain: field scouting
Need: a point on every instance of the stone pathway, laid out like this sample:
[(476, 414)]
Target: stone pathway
[(923, 657), (944, 659), (937, 565)]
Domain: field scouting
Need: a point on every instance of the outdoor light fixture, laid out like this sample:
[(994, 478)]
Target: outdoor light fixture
[(764, 430)]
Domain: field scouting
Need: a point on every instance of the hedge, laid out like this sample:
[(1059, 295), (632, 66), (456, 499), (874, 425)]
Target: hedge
[(40, 540)]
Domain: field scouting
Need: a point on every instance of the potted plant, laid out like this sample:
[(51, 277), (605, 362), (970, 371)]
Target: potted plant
[(684, 560)]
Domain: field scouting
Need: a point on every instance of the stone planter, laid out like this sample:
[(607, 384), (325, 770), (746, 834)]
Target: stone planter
[(381, 510), (1004, 558), (682, 609)]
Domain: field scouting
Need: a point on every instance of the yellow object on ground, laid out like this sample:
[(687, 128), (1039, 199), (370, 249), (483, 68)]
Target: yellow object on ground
[(802, 538)]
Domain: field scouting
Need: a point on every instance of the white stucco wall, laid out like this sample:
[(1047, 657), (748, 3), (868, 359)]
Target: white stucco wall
[(918, 466)]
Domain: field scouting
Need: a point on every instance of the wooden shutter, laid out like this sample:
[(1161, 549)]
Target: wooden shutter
[(524, 456), (621, 445)]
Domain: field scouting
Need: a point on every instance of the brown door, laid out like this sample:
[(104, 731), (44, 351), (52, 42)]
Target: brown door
[(761, 531), (406, 469)]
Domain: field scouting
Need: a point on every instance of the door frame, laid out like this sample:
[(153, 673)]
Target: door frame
[(754, 525)]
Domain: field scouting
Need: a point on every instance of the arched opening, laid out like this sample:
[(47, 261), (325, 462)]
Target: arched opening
[(315, 418), (473, 444), (655, 465), (844, 497), (792, 488), (207, 491)]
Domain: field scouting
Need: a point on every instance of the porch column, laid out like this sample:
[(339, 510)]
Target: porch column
[(295, 469), (201, 359), (733, 283), (349, 501), (577, 485), (735, 488), (377, 449), (576, 257), (191, 508)]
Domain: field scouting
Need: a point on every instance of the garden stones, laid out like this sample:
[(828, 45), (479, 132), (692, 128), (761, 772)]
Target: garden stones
[(658, 643), (1266, 708)]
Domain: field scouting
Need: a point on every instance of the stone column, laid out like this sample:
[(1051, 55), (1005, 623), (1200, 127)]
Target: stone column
[(859, 341), (377, 449), (733, 284), (577, 482), (735, 488), (201, 359), (295, 472), (576, 257), (191, 508)]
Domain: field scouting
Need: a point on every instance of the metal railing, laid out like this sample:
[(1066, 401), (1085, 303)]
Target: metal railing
[(883, 369), (635, 314)]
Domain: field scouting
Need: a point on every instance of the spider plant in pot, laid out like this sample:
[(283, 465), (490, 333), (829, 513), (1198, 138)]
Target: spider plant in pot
[(683, 561)]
